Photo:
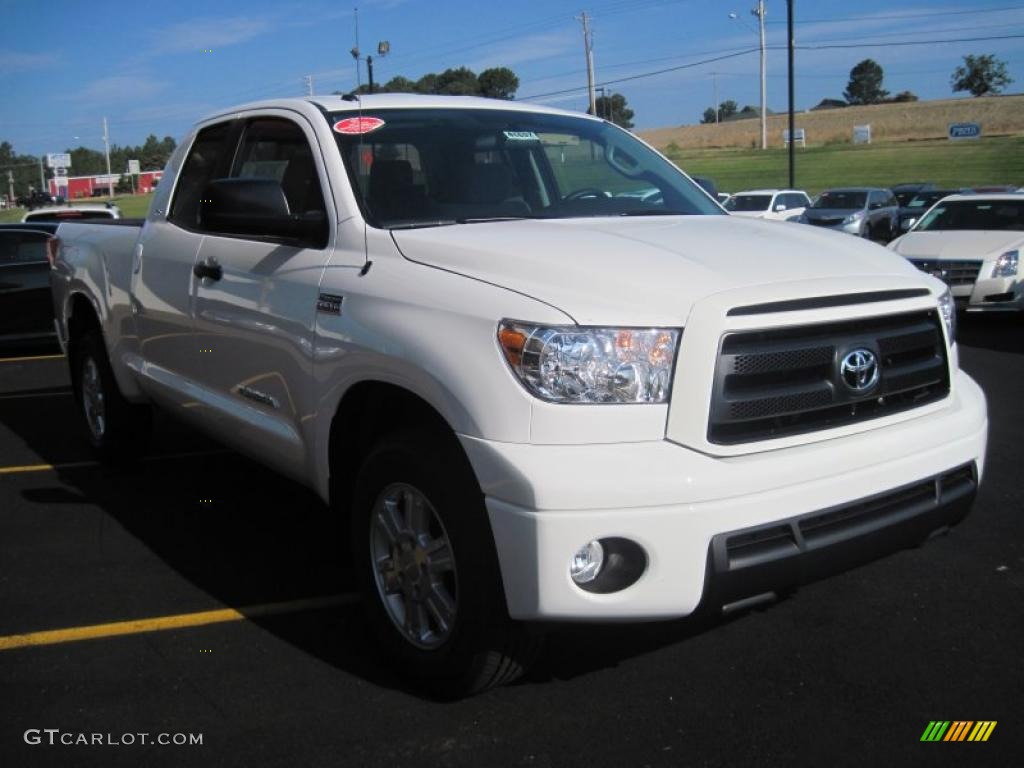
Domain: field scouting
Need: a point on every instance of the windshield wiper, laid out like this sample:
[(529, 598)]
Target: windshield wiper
[(423, 224), (654, 212), (485, 219)]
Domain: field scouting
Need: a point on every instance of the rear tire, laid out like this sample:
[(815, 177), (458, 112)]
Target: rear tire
[(426, 565), (116, 429)]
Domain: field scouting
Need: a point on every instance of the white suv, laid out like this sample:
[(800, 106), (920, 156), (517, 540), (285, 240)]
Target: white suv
[(771, 204)]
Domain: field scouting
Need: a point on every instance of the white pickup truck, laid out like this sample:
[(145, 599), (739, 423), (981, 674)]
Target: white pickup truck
[(537, 394)]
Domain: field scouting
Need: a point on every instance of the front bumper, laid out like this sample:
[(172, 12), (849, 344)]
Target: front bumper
[(853, 228), (992, 294), (544, 502)]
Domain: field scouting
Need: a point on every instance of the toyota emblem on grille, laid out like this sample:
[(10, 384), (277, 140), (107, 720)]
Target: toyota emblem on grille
[(859, 369)]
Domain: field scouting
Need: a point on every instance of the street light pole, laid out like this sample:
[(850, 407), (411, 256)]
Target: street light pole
[(759, 12), (792, 120), (106, 149)]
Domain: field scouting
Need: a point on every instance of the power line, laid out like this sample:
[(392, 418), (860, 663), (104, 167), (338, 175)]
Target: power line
[(805, 47), (923, 15), (646, 74), (931, 31), (899, 43)]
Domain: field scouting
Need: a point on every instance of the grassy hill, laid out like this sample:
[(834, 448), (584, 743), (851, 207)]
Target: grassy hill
[(908, 121), (998, 160)]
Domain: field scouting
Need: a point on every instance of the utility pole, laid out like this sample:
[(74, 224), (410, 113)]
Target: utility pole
[(308, 80), (714, 81), (369, 72), (10, 188), (588, 48), (759, 12), (106, 148), (42, 178)]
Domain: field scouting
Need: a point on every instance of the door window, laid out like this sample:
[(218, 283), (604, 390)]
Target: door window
[(276, 149), (207, 159)]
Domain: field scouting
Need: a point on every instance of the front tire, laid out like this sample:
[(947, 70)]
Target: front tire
[(427, 568), (115, 428)]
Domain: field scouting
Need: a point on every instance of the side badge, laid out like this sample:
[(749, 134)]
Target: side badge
[(329, 304)]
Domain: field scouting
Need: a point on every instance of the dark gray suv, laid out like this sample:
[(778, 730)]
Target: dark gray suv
[(870, 212)]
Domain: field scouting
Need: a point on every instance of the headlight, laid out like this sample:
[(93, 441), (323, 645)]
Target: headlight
[(1006, 265), (947, 308), (572, 364), (853, 217)]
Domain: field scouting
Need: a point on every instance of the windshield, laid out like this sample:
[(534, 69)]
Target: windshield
[(431, 167), (904, 196), (841, 200), (748, 203), (974, 214), (925, 199)]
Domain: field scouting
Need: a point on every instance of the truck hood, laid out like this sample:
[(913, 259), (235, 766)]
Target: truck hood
[(959, 244), (643, 271)]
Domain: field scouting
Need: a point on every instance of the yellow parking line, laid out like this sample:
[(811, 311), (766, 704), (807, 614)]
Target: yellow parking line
[(78, 464), (68, 393), (46, 467), (179, 621), (24, 359)]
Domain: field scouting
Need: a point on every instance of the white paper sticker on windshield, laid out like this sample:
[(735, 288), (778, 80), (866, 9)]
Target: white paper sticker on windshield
[(521, 136)]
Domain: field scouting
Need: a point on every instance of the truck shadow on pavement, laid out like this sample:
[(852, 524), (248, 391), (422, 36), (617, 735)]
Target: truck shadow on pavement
[(246, 536), (242, 535)]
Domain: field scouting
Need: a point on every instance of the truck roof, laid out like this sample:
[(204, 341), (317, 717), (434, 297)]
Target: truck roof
[(394, 101)]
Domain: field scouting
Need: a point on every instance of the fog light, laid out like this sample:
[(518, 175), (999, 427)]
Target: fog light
[(587, 562)]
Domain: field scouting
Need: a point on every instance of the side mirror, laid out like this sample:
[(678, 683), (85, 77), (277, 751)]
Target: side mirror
[(256, 207), (780, 207), (874, 206), (906, 224)]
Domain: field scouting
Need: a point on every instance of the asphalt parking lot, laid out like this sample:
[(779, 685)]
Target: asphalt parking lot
[(245, 630)]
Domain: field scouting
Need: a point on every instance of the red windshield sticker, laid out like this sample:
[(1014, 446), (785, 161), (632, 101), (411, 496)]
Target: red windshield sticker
[(354, 126)]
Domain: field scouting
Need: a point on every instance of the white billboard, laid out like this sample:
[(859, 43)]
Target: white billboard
[(133, 167), (58, 160)]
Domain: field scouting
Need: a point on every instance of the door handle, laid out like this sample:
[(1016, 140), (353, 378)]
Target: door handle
[(210, 269)]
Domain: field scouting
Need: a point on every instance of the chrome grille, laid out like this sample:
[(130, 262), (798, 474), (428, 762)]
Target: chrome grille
[(951, 272), (785, 381)]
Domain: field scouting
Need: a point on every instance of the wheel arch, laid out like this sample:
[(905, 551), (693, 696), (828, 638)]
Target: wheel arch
[(368, 409)]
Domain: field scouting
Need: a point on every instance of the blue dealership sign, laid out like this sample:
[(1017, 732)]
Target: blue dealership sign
[(964, 131)]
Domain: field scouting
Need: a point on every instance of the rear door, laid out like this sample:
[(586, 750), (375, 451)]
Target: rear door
[(255, 321), (26, 308)]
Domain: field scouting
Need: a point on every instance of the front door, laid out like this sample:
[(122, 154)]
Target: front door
[(255, 310)]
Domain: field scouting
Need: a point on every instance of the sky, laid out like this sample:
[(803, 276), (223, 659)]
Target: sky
[(155, 68)]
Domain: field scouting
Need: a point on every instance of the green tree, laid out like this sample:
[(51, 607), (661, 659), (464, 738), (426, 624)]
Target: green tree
[(427, 83), (903, 96), (498, 83), (865, 86), (615, 109), (727, 109), (981, 75), (398, 84), (461, 81)]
